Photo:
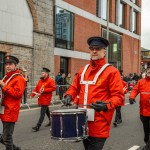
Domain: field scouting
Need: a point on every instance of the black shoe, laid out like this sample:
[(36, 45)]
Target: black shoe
[(115, 124), (119, 121), (36, 128), (18, 148)]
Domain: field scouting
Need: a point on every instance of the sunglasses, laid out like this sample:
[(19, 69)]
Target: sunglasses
[(96, 48)]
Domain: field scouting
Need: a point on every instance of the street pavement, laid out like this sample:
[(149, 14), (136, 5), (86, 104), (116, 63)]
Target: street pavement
[(127, 136)]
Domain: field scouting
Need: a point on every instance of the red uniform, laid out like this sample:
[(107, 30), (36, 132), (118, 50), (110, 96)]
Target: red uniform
[(107, 88), (142, 87), (48, 86), (13, 92), (125, 87)]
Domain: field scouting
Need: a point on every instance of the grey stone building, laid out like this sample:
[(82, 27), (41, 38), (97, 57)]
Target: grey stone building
[(26, 31)]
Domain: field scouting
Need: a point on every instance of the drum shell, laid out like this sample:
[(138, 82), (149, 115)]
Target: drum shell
[(68, 125)]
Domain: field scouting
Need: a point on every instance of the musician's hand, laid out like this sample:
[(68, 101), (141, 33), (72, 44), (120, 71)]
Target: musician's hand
[(67, 101), (131, 101), (2, 83), (99, 106)]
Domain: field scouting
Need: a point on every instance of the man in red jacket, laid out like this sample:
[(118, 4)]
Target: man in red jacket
[(13, 86), (99, 85), (44, 89), (143, 87)]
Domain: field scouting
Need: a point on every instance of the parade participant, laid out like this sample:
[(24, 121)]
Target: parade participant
[(98, 85), (23, 71), (143, 88), (118, 117), (13, 86), (44, 89)]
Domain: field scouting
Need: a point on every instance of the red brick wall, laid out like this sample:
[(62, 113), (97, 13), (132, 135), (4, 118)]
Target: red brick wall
[(87, 5), (139, 23), (76, 64), (127, 17), (112, 14), (84, 29), (131, 55), (57, 64), (139, 3)]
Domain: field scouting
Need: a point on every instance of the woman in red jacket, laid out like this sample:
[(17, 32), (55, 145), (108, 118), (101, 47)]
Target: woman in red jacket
[(13, 86), (44, 89), (98, 85), (143, 87)]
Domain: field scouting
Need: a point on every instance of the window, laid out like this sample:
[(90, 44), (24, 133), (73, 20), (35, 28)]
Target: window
[(115, 49), (134, 23), (64, 65), (64, 28), (121, 14), (2, 55), (102, 9)]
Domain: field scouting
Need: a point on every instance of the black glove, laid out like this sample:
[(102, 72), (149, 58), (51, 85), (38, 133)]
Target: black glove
[(131, 100), (99, 106), (67, 101)]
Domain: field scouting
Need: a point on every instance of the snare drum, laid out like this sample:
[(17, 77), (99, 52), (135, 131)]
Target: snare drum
[(69, 124)]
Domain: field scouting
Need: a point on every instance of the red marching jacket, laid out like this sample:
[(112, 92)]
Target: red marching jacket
[(13, 92), (108, 88), (47, 86), (142, 87)]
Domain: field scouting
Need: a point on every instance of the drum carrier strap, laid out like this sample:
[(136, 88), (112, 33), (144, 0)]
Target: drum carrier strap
[(87, 83)]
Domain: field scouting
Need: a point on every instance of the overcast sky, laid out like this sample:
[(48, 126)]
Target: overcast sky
[(145, 24)]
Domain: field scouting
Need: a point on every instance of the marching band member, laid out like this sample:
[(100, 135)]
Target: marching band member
[(44, 89), (118, 117), (98, 85), (13, 86), (143, 87)]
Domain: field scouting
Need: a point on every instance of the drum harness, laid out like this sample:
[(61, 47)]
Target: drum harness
[(7, 83), (87, 83)]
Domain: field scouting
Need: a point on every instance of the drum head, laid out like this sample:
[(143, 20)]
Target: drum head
[(69, 111)]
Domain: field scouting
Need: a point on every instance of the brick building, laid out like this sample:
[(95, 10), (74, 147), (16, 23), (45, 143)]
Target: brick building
[(90, 19), (53, 33)]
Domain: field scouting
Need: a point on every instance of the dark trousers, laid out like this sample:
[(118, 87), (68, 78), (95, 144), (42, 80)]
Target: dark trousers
[(92, 143), (118, 114), (44, 110), (146, 126), (7, 140)]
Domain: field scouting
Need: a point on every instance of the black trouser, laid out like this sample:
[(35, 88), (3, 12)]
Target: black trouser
[(62, 90), (92, 143), (7, 140), (146, 126), (118, 114), (44, 110)]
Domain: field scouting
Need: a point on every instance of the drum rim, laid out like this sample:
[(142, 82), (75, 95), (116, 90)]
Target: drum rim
[(65, 111), (80, 138)]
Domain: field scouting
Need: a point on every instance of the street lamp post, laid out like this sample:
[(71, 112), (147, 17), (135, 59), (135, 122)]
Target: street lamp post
[(107, 31)]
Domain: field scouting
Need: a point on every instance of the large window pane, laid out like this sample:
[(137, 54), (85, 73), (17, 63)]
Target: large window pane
[(134, 23), (64, 65), (121, 14), (2, 65), (102, 9), (64, 29), (115, 49)]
